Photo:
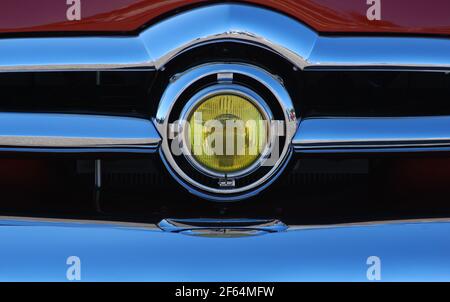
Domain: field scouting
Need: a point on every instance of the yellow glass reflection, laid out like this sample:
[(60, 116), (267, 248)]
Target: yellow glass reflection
[(227, 133)]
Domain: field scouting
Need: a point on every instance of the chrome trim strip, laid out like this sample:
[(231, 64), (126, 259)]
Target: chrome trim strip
[(160, 43), (72, 53), (381, 52), (79, 223), (202, 226), (76, 223), (363, 134), (51, 130), (242, 23), (373, 223)]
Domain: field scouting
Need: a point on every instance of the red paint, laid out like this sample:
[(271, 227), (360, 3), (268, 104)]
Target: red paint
[(337, 16), (420, 175), (28, 171)]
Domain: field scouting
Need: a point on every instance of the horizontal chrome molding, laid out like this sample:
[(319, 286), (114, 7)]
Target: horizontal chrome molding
[(76, 223), (395, 134), (381, 52), (157, 45), (241, 23), (72, 53), (75, 131)]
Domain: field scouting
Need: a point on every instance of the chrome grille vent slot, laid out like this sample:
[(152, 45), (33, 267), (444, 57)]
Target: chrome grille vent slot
[(99, 92), (375, 93)]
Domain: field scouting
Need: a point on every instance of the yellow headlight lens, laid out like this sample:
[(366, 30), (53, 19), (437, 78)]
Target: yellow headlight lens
[(227, 133)]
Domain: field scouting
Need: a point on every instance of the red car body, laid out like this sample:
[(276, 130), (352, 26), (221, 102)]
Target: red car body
[(127, 16)]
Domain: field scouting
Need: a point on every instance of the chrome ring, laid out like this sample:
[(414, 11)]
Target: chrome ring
[(235, 89), (180, 83)]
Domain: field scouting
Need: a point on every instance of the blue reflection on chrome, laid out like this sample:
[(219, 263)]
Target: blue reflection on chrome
[(408, 252), (396, 134)]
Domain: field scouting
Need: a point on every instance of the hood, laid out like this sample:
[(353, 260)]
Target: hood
[(128, 16)]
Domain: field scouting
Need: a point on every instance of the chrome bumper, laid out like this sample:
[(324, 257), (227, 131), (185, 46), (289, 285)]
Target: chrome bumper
[(143, 252)]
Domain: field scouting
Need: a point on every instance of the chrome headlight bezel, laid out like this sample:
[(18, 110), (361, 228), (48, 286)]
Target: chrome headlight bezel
[(218, 89), (223, 74)]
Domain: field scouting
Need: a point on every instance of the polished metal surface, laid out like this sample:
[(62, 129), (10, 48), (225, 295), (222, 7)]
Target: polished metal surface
[(182, 82), (98, 174), (155, 46), (241, 23), (381, 53), (222, 228), (113, 251), (72, 53), (371, 133), (51, 130)]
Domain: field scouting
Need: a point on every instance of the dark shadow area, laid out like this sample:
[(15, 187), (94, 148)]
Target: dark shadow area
[(311, 191)]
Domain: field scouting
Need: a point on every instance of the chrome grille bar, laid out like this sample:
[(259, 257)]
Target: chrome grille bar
[(395, 134), (76, 131), (155, 46), (380, 53), (72, 53)]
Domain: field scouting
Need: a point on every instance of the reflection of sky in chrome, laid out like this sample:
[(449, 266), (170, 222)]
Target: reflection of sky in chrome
[(409, 252)]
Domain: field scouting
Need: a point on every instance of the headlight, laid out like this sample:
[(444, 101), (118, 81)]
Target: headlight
[(228, 133), (226, 129)]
